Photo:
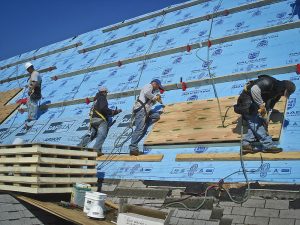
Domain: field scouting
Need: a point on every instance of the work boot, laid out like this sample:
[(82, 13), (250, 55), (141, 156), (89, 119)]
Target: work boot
[(134, 152), (272, 150), (246, 149)]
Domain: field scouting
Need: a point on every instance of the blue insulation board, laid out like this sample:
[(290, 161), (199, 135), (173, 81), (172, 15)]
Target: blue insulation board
[(67, 124), (251, 54)]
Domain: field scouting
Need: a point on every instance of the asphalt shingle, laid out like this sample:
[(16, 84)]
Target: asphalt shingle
[(292, 213), (277, 204), (235, 218), (267, 212), (257, 220), (253, 203), (278, 221), (243, 211)]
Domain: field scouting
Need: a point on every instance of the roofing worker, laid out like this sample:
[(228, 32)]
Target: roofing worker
[(99, 117), (34, 94), (144, 116), (255, 103)]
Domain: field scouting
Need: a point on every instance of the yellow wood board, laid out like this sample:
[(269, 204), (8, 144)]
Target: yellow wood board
[(77, 216), (200, 122), (236, 157), (129, 158)]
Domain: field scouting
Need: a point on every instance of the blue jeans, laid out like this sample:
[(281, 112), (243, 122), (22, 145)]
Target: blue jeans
[(32, 107), (141, 125), (257, 131), (99, 132)]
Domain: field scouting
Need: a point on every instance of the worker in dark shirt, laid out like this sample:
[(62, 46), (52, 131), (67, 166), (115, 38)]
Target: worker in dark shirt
[(99, 117), (255, 104)]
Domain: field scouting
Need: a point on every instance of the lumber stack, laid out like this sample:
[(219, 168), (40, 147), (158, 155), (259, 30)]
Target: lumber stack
[(200, 122), (44, 168), (6, 110)]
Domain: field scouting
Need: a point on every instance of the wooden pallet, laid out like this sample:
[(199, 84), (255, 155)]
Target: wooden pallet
[(45, 168), (236, 157), (199, 122)]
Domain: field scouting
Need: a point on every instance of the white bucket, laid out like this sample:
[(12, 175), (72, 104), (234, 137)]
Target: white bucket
[(92, 198)]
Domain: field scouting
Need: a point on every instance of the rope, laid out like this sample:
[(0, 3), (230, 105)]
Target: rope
[(91, 64), (211, 76), (128, 131)]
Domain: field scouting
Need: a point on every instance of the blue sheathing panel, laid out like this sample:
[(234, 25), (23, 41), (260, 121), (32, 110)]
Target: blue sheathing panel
[(67, 124)]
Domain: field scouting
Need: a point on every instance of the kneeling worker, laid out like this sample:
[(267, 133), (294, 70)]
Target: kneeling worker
[(99, 117), (144, 116), (255, 102)]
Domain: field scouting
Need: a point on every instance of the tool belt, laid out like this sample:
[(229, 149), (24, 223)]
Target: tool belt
[(244, 104), (95, 121)]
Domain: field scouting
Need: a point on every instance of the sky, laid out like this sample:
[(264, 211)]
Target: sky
[(30, 24)]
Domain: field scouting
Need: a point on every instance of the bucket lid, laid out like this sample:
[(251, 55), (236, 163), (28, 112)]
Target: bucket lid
[(95, 194)]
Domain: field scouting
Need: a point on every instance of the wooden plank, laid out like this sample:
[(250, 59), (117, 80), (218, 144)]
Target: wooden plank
[(8, 95), (189, 4), (128, 158), (180, 24), (75, 216), (236, 157), (151, 15), (261, 31), (111, 204), (7, 110), (47, 180), (200, 122), (47, 151), (47, 160), (61, 161), (20, 160), (35, 190), (27, 75), (46, 170)]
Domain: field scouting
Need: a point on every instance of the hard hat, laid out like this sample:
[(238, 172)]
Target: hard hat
[(103, 89), (27, 65), (159, 83), (96, 211), (289, 86)]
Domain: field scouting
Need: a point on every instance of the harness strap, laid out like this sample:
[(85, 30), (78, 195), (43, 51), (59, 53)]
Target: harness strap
[(99, 114)]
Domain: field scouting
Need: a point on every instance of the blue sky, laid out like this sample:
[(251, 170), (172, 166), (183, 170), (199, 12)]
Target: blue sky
[(31, 24)]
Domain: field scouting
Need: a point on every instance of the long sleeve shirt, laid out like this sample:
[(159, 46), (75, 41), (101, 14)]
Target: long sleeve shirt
[(147, 95), (101, 105), (256, 94)]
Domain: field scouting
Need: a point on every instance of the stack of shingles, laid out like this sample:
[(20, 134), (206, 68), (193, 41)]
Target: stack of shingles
[(12, 212), (258, 210)]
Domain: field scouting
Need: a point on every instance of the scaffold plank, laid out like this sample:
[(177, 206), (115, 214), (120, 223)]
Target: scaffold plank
[(236, 157)]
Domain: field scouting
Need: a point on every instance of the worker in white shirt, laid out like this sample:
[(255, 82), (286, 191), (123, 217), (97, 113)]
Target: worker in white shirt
[(144, 116), (34, 94)]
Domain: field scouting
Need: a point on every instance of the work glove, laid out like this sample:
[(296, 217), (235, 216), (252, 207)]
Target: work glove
[(117, 111), (158, 98), (262, 110)]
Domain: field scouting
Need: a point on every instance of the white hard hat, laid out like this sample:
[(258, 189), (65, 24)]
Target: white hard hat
[(96, 212), (103, 89), (27, 65)]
